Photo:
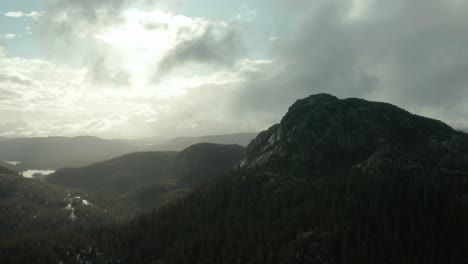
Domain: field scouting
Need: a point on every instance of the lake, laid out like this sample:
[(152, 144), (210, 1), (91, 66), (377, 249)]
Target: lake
[(30, 173)]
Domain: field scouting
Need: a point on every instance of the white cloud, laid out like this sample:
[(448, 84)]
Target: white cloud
[(359, 9), (247, 15), (20, 14), (109, 92), (148, 39), (8, 36), (149, 35), (56, 99)]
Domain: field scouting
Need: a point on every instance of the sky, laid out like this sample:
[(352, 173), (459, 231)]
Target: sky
[(143, 68)]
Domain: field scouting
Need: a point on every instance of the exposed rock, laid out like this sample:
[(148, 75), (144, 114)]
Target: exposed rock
[(322, 130)]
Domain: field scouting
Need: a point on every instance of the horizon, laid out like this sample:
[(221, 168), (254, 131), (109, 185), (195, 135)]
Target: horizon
[(136, 69), (137, 138)]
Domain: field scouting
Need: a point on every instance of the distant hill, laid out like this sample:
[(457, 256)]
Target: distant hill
[(144, 143), (180, 143), (203, 162), (192, 166), (58, 152), (119, 174)]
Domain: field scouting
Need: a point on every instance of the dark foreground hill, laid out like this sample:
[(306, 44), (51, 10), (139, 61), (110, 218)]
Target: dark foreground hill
[(29, 207), (337, 181)]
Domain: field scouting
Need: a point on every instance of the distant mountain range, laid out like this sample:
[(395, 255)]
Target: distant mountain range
[(57, 152), (60, 152), (180, 143)]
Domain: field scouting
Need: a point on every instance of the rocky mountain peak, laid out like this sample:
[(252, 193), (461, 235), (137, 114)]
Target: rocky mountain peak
[(323, 130)]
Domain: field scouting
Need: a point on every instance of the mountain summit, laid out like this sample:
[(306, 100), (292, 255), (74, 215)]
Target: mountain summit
[(323, 130)]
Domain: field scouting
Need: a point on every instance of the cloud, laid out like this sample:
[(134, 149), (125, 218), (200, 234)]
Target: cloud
[(34, 87), (18, 14), (143, 72), (16, 79), (69, 34), (8, 36), (99, 73), (70, 19), (14, 128), (410, 53), (219, 45)]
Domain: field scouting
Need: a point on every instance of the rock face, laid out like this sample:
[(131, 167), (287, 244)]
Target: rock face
[(323, 130)]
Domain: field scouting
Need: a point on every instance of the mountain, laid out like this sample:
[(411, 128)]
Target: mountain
[(323, 129), (203, 162), (192, 166), (57, 152), (119, 174), (180, 143), (51, 153), (143, 142), (336, 181), (149, 179)]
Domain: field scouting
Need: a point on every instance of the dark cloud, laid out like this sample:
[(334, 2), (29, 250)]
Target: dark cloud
[(411, 53), (67, 18), (155, 25), (8, 96), (219, 45), (100, 74)]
